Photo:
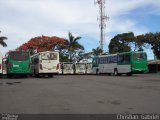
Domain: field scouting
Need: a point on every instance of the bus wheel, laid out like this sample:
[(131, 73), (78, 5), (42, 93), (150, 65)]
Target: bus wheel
[(50, 75), (129, 74), (0, 76), (109, 74), (37, 75), (115, 72), (9, 76), (119, 74)]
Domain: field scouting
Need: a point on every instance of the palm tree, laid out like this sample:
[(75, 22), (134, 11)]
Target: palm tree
[(2, 38), (97, 51), (72, 45)]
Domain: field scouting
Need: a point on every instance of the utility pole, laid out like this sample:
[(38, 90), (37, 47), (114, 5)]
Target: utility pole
[(102, 19)]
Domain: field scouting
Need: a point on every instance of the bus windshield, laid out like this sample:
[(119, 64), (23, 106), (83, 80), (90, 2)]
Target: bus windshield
[(49, 56), (139, 56), (19, 56)]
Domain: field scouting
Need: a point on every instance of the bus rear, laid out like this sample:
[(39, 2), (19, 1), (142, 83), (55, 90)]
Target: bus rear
[(80, 68), (67, 68), (18, 62), (89, 68), (49, 63), (139, 62)]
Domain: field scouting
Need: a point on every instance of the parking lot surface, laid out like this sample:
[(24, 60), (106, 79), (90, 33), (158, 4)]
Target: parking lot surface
[(82, 94)]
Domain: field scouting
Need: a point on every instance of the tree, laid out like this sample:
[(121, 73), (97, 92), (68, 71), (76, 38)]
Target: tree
[(97, 51), (72, 45), (139, 42), (121, 43), (153, 39), (126, 42), (2, 42), (82, 56), (42, 43)]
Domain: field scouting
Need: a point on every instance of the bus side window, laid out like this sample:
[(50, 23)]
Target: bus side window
[(109, 60), (120, 58), (127, 58), (114, 59)]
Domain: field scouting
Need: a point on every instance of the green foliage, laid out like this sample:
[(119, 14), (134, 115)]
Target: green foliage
[(97, 51), (127, 41), (138, 42), (72, 45), (121, 42), (153, 39), (63, 57), (2, 42)]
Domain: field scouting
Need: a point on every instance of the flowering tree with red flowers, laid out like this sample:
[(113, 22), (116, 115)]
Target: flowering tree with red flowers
[(42, 43)]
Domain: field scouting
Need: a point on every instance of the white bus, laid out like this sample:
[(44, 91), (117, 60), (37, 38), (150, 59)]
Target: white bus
[(121, 63), (67, 68), (80, 68), (45, 63), (1, 65)]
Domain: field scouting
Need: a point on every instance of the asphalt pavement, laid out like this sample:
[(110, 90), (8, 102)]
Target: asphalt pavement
[(81, 94)]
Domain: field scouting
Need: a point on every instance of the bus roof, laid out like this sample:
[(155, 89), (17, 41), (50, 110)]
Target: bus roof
[(132, 52), (44, 52), (120, 53), (107, 55)]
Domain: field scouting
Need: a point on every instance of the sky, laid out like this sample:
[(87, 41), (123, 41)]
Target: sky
[(21, 20)]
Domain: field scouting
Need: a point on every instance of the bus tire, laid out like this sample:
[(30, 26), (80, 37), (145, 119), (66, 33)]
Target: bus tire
[(9, 76), (119, 74), (50, 75), (129, 74), (109, 74), (0, 76), (115, 72), (37, 75)]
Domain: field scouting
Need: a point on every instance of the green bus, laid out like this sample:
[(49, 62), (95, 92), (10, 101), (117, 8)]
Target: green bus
[(121, 63), (18, 63)]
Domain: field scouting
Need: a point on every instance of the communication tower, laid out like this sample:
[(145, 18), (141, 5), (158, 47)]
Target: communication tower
[(102, 19)]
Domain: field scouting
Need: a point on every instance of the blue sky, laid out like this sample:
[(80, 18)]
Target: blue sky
[(20, 20)]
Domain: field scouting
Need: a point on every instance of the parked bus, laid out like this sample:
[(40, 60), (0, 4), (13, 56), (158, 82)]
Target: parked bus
[(89, 68), (18, 63), (1, 58), (67, 68), (80, 68), (45, 63), (121, 63), (4, 68)]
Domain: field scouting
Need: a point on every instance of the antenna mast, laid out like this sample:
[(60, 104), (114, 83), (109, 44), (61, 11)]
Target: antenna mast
[(102, 19)]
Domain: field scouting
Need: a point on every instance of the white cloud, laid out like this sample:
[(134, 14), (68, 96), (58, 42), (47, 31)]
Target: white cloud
[(21, 20)]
